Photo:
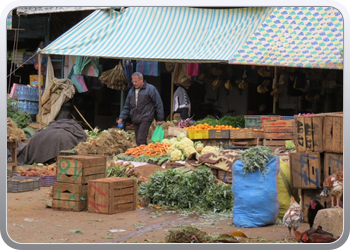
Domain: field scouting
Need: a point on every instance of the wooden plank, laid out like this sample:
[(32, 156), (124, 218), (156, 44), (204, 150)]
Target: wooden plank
[(123, 191), (337, 135), (123, 199), (295, 168), (289, 129), (274, 142), (78, 179), (119, 208), (279, 123), (299, 134), (317, 133), (332, 163), (287, 136), (327, 134), (69, 205), (68, 191)]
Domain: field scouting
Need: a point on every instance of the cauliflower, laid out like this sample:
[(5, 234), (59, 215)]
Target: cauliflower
[(180, 136), (189, 150), (175, 155), (199, 146), (185, 142), (173, 140), (171, 149), (208, 149), (166, 141)]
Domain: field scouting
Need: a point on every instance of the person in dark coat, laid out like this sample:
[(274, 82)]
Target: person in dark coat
[(143, 104)]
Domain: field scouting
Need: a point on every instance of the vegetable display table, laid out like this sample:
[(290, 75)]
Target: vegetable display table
[(13, 146)]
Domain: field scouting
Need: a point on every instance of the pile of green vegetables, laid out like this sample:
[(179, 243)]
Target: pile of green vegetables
[(255, 158), (158, 160), (234, 121), (187, 189), (22, 119)]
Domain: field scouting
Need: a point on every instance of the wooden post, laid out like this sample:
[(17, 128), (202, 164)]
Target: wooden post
[(172, 99), (274, 98), (39, 89)]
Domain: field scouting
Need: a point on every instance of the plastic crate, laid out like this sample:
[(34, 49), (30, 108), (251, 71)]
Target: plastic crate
[(198, 134), (14, 185), (47, 181), (288, 117), (219, 134), (252, 121)]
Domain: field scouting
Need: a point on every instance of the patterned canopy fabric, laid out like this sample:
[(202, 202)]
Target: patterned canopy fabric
[(310, 37)]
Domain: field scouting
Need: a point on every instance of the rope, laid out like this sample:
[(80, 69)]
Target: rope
[(21, 65)]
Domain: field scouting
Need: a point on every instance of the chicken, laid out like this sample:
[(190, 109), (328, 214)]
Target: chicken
[(309, 232), (293, 216), (317, 238), (314, 206), (333, 187)]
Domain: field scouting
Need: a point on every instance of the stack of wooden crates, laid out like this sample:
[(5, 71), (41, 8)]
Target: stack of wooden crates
[(70, 191), (319, 145)]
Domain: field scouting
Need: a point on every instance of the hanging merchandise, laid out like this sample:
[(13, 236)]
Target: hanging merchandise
[(192, 69), (169, 66), (147, 68), (180, 70), (87, 66), (78, 81), (115, 78), (129, 70)]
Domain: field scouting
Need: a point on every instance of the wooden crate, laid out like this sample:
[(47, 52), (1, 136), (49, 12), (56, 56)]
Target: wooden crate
[(12, 145), (246, 133), (112, 195), (224, 143), (69, 197), (273, 144), (303, 134), (279, 130), (247, 142), (332, 163), (219, 134), (307, 195), (269, 118), (80, 169), (333, 133), (306, 170)]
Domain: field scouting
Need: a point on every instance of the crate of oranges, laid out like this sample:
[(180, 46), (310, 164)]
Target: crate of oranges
[(199, 132), (246, 133)]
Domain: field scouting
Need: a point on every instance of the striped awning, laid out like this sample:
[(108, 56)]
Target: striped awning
[(179, 34), (310, 37)]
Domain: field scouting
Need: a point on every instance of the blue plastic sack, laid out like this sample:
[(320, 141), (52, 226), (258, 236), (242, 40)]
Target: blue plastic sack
[(255, 197)]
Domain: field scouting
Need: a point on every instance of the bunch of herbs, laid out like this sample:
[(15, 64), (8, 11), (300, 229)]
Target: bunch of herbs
[(255, 158)]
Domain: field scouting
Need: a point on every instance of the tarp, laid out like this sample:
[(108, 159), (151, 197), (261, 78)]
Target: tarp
[(44, 10), (161, 34), (310, 37)]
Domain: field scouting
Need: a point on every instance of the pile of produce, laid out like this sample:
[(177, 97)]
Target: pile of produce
[(115, 78), (110, 142), (38, 171), (181, 147), (126, 170), (165, 126), (22, 119), (255, 158), (152, 149), (13, 132), (187, 189), (210, 122)]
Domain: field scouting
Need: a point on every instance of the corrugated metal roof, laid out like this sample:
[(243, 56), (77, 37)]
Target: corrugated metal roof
[(161, 34)]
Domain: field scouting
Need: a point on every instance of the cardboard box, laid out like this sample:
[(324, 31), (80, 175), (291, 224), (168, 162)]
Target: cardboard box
[(80, 169), (332, 163), (333, 133), (112, 195), (306, 170), (69, 197), (34, 80)]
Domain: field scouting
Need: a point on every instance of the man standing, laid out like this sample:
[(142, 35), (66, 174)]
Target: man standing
[(142, 105), (182, 103)]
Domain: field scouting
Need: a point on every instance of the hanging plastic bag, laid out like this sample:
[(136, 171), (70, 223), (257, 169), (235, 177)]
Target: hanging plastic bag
[(158, 134), (79, 83)]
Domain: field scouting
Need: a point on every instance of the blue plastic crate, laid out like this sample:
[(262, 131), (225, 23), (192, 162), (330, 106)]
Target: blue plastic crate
[(288, 117)]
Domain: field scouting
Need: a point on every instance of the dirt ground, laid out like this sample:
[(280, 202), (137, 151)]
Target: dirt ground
[(30, 221)]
